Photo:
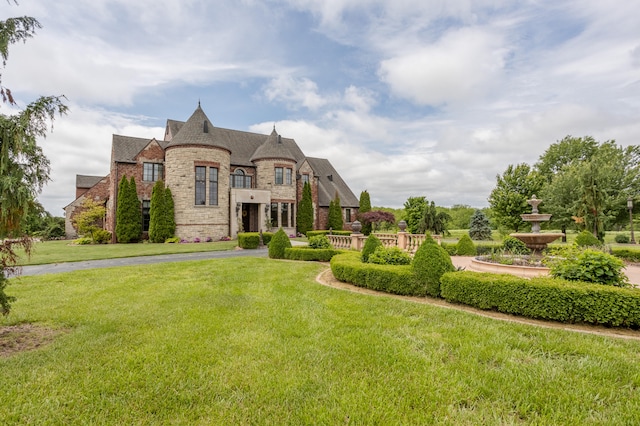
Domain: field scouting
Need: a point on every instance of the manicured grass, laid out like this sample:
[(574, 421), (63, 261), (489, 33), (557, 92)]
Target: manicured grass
[(258, 341), (63, 251)]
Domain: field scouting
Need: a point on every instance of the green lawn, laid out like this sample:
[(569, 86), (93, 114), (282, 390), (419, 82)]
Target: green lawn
[(258, 341), (63, 251)]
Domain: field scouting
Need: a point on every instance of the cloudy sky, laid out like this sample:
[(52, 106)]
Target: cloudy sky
[(406, 97)]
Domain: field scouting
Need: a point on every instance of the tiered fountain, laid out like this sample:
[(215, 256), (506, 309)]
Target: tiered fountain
[(535, 240)]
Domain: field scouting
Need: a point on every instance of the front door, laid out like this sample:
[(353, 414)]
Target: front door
[(250, 217)]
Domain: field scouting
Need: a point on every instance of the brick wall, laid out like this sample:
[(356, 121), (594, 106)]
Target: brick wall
[(99, 192)]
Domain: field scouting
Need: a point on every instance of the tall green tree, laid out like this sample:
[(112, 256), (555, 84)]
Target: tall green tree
[(514, 187), (304, 217), (414, 208), (128, 214), (460, 216), (162, 223), (433, 221), (24, 168), (90, 219), (589, 184), (364, 207), (335, 214)]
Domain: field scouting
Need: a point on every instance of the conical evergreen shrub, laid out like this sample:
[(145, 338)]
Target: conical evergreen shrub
[(279, 242), (430, 262)]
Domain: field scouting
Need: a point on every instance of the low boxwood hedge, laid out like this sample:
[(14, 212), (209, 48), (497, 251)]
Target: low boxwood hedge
[(310, 254), (326, 232), (629, 255), (347, 267), (544, 298), (251, 240)]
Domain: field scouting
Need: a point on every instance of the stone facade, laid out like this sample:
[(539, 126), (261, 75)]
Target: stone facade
[(222, 181)]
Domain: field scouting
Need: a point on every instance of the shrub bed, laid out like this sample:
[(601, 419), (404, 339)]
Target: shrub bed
[(347, 267), (251, 240), (310, 254), (545, 298)]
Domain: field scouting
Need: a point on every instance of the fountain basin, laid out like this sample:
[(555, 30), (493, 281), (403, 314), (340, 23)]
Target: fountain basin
[(479, 265), (537, 241), (535, 217)]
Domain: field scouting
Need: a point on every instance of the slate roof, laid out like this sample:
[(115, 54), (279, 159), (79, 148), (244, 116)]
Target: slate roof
[(273, 148), (125, 148), (245, 147), (86, 181), (330, 182)]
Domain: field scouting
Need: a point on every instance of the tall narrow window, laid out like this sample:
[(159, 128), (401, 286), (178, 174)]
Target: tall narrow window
[(305, 179), (279, 177), (288, 176), (152, 172), (274, 215), (347, 215), (201, 184), (146, 215), (213, 186), (284, 219)]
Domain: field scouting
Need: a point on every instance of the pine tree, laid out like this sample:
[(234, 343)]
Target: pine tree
[(479, 228), (335, 214), (305, 210), (134, 211), (364, 207), (123, 189)]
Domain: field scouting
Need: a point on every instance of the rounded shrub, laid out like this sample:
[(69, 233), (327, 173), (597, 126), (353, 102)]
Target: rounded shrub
[(592, 266), (370, 246), (587, 239), (278, 244), (102, 236), (465, 247), (319, 242), (622, 239), (389, 256), (429, 264), (513, 245)]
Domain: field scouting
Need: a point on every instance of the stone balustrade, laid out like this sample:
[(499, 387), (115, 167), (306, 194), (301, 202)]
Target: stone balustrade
[(404, 241)]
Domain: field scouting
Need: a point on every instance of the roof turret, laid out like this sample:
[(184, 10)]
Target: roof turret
[(273, 148), (198, 130)]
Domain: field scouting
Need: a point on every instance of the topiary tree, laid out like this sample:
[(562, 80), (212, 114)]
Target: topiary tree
[(465, 247), (430, 262), (128, 217), (587, 239), (335, 214), (169, 213), (278, 244), (162, 223), (479, 228), (370, 246), (304, 217), (364, 207)]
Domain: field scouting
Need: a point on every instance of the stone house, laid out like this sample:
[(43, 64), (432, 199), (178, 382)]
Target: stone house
[(223, 181)]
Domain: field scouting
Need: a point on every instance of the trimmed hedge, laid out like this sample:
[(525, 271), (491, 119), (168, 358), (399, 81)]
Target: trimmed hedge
[(544, 298), (465, 247), (347, 267), (629, 255), (251, 240), (278, 244), (310, 254), (326, 232)]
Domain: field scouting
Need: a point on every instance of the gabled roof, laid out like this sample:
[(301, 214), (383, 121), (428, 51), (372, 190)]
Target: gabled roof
[(198, 130), (273, 148), (126, 148), (330, 183), (86, 181)]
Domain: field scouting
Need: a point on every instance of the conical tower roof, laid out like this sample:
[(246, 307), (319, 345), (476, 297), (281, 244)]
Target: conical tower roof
[(198, 130), (273, 148)]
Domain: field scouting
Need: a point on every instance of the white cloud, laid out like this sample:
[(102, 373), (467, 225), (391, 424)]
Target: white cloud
[(294, 92), (463, 65)]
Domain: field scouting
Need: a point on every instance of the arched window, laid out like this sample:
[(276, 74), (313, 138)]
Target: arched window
[(239, 179)]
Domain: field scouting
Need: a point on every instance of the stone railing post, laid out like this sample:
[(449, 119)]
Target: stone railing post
[(402, 240), (355, 236)]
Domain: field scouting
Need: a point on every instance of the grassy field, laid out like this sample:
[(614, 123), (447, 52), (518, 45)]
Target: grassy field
[(258, 341)]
